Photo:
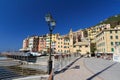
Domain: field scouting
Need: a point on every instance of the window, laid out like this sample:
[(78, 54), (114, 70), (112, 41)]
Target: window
[(116, 31), (116, 43), (111, 43), (111, 37), (112, 49), (110, 31), (74, 46), (86, 45), (116, 37), (64, 46), (65, 51), (104, 49), (103, 38)]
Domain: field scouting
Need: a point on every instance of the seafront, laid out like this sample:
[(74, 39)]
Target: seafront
[(80, 68), (13, 69), (36, 67)]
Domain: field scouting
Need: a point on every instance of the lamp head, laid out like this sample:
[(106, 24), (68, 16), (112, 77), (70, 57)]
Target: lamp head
[(53, 23), (48, 17)]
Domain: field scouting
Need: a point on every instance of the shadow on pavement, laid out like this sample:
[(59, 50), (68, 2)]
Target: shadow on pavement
[(75, 67), (90, 78), (64, 69)]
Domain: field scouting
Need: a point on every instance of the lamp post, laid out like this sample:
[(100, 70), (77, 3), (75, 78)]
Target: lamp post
[(51, 24)]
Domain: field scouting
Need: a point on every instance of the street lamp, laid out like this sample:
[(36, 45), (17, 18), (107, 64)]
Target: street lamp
[(51, 23)]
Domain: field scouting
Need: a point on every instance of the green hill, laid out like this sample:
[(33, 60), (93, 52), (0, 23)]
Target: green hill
[(113, 21)]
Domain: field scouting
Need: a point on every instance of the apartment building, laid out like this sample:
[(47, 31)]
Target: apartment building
[(53, 41), (94, 30), (59, 44), (30, 44), (69, 43), (33, 43), (107, 40), (42, 44), (25, 43), (63, 44)]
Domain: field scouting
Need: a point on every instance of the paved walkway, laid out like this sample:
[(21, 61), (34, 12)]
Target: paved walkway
[(105, 69), (90, 69), (77, 71)]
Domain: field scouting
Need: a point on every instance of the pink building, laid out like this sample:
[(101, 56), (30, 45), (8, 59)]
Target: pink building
[(41, 44)]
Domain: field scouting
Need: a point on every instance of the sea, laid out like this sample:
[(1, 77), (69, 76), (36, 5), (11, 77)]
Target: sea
[(3, 58)]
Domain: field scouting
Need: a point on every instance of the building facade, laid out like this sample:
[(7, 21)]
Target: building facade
[(106, 40), (42, 44), (33, 43), (94, 30), (63, 44), (69, 43), (79, 42), (53, 42), (30, 44), (25, 43)]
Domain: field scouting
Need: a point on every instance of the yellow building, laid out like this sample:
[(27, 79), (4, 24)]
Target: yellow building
[(78, 42), (82, 47), (94, 30), (62, 44), (53, 41), (106, 40), (59, 44)]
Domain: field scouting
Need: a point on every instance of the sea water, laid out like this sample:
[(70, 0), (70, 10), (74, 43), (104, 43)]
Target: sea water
[(3, 58)]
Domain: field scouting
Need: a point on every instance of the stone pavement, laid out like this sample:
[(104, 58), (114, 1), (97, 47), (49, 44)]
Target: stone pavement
[(77, 71), (105, 69), (90, 69)]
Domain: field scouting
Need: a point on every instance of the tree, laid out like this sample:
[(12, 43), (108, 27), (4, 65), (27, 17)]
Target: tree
[(93, 47), (78, 50)]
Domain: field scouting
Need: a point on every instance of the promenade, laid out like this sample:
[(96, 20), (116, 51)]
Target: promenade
[(90, 69)]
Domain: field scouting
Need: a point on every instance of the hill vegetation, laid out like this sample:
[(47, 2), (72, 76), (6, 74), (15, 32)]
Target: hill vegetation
[(113, 21)]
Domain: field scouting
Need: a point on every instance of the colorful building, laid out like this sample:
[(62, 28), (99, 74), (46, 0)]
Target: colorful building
[(106, 40), (42, 44)]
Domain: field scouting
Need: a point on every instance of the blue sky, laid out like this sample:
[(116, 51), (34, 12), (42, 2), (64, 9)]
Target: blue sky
[(20, 18)]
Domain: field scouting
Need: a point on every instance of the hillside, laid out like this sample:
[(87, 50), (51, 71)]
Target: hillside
[(113, 21)]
